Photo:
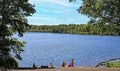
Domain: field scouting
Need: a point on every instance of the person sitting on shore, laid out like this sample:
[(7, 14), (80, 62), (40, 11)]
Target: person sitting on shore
[(71, 63), (51, 65), (34, 66), (63, 64)]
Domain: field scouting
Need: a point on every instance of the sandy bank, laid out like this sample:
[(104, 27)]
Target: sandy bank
[(73, 69)]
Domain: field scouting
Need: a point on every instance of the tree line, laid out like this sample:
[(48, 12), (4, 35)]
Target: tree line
[(84, 29)]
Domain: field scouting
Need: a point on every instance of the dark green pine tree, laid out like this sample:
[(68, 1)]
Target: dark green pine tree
[(13, 20)]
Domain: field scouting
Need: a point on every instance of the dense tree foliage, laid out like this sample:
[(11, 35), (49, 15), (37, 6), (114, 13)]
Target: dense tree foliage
[(72, 0), (86, 29), (102, 12), (12, 20)]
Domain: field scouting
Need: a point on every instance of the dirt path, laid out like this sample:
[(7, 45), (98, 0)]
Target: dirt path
[(74, 69)]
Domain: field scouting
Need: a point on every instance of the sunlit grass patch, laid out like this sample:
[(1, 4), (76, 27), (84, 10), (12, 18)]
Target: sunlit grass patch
[(112, 64)]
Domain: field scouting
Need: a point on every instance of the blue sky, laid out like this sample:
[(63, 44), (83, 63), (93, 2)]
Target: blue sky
[(53, 12)]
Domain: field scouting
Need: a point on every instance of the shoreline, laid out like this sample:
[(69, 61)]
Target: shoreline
[(71, 69)]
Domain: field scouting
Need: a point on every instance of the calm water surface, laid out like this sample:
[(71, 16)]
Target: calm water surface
[(86, 50)]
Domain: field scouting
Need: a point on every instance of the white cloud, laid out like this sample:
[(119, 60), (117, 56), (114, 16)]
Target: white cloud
[(55, 12), (43, 20), (59, 2)]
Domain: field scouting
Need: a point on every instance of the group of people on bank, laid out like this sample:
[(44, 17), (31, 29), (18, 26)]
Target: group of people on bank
[(71, 64)]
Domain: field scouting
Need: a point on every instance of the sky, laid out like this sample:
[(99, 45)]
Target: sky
[(54, 12)]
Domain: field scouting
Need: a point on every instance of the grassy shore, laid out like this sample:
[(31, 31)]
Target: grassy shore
[(113, 64)]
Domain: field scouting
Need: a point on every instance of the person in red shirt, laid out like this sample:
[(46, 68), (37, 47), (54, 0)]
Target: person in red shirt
[(71, 63)]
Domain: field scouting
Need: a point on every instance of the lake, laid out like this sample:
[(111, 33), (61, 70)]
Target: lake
[(86, 50)]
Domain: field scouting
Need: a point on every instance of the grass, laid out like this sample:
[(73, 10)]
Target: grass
[(112, 64)]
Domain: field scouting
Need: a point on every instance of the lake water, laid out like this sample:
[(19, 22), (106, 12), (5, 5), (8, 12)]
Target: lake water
[(86, 50)]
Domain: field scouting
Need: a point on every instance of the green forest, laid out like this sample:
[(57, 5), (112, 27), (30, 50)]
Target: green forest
[(84, 29)]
